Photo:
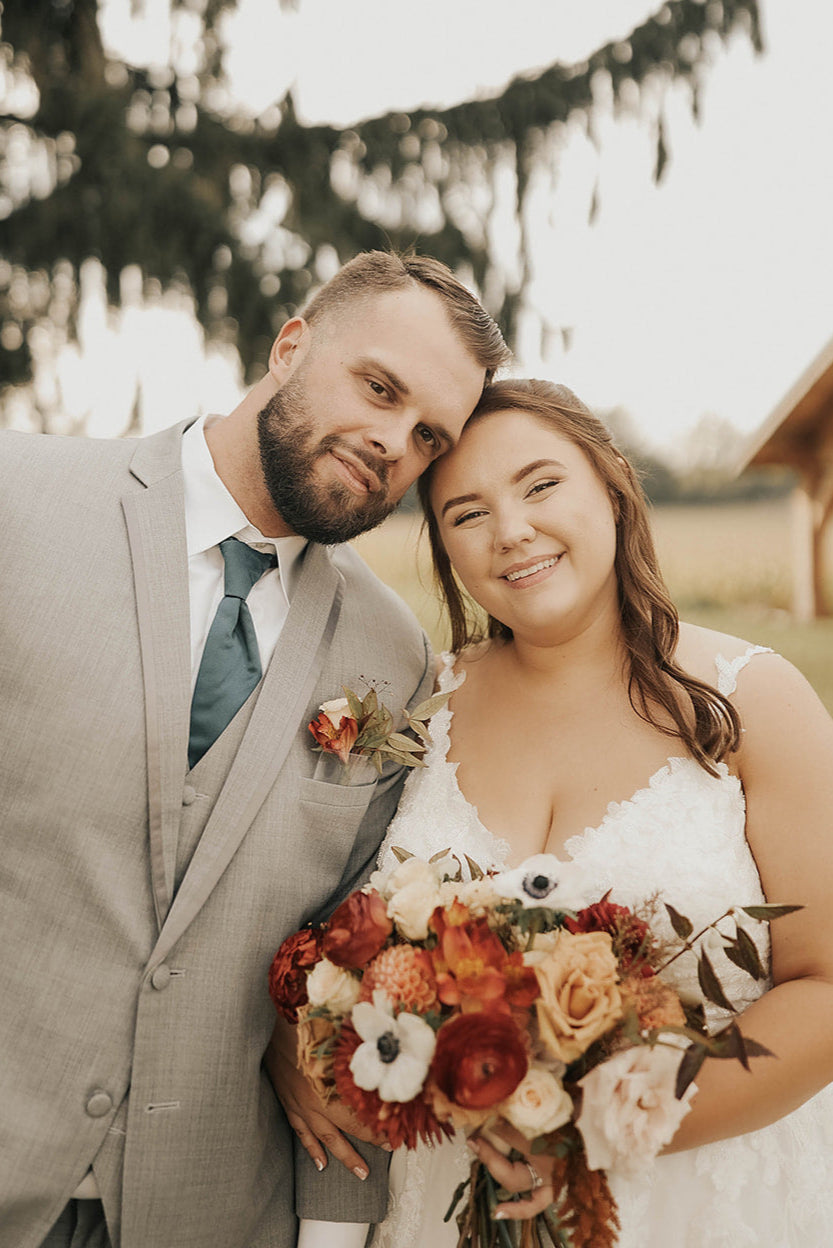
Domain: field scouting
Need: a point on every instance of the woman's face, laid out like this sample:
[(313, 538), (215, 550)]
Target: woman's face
[(528, 526)]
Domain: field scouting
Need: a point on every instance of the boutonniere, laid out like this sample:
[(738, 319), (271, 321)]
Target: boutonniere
[(352, 728)]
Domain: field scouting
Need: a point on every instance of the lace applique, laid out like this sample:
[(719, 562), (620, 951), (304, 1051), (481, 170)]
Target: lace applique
[(433, 815), (728, 670)]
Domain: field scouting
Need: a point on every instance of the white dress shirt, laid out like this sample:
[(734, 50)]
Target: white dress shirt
[(212, 515)]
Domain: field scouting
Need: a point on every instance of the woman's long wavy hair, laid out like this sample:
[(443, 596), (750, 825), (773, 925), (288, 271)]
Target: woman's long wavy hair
[(658, 689)]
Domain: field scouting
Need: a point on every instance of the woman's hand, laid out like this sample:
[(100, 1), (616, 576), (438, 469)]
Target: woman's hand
[(533, 1174), (319, 1127)]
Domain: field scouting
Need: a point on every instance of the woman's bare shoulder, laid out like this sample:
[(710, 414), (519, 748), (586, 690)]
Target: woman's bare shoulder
[(699, 651)]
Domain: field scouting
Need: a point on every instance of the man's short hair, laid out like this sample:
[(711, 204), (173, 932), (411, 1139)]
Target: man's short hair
[(377, 271)]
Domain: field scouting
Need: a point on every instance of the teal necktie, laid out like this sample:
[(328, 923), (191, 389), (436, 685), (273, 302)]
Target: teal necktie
[(230, 667)]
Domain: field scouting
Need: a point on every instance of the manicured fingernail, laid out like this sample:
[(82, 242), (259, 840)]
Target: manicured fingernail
[(388, 1148), (319, 1164), (500, 1217), (474, 1145), (360, 1172)]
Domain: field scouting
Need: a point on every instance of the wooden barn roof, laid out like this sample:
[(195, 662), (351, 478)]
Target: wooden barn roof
[(793, 427)]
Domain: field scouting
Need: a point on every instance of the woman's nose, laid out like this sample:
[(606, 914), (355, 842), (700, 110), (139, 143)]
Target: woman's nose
[(512, 528)]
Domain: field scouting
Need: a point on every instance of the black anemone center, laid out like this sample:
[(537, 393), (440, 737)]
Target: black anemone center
[(538, 886), (388, 1047)]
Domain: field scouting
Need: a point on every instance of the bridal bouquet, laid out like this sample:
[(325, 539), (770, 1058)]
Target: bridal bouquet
[(431, 1003)]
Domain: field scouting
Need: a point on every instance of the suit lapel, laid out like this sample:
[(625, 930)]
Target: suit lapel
[(281, 702), (155, 520)]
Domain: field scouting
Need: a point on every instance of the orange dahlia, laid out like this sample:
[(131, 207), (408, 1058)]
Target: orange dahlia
[(399, 1122), (406, 977)]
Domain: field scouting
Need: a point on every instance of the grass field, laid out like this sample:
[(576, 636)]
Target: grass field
[(727, 567)]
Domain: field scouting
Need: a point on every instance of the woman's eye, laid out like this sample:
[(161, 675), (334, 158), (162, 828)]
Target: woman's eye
[(540, 486), (377, 388), (466, 515)]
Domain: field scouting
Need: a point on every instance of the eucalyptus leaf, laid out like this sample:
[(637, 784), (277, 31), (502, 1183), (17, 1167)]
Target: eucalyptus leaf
[(693, 1059), (710, 984), (430, 706), (769, 912), (744, 953), (681, 925), (354, 703)]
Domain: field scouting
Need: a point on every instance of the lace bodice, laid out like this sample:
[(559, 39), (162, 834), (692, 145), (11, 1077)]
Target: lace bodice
[(681, 838)]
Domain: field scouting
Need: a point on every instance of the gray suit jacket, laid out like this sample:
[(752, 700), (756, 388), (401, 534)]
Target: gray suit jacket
[(140, 904)]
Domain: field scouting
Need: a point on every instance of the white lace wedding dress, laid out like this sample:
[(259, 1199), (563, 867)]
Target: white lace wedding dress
[(681, 836)]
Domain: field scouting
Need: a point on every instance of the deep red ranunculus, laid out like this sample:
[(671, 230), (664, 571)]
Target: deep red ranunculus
[(357, 931), (288, 973), (479, 1059)]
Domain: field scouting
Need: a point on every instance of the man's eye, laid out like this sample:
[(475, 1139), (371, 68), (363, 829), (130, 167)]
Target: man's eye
[(427, 436), (378, 388)]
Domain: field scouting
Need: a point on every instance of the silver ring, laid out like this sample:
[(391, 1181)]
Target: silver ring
[(537, 1180)]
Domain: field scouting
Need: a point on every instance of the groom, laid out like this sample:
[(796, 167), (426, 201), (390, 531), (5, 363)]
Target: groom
[(164, 820)]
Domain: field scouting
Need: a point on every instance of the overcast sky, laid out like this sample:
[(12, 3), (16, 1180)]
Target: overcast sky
[(707, 294)]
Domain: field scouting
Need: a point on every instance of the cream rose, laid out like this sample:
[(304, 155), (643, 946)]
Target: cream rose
[(580, 997), (336, 710), (539, 1104), (412, 906), (629, 1110), (331, 986)]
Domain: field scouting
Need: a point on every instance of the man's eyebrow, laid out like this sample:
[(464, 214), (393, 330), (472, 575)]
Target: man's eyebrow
[(376, 366), (516, 480)]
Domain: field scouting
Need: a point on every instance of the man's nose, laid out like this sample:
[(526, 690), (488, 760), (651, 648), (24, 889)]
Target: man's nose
[(391, 437)]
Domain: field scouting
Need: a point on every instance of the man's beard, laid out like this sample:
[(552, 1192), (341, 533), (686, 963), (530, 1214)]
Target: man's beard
[(328, 514)]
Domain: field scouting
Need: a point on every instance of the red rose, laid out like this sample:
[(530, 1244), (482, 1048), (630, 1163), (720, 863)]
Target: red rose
[(288, 972), (479, 1059), (631, 936), (357, 931)]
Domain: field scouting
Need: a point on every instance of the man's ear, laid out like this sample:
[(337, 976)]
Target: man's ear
[(288, 349)]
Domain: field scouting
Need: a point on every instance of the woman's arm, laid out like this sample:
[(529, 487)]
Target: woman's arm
[(786, 766)]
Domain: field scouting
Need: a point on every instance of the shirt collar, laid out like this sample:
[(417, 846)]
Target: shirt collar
[(211, 514)]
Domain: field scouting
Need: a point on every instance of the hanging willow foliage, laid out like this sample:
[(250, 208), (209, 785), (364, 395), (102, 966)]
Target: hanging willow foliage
[(152, 170)]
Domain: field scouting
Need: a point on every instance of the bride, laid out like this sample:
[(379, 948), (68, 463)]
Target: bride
[(663, 758)]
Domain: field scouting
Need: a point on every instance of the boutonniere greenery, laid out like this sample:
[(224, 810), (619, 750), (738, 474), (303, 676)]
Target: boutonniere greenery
[(352, 727)]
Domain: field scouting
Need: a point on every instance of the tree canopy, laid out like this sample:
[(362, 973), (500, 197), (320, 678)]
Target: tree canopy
[(155, 168)]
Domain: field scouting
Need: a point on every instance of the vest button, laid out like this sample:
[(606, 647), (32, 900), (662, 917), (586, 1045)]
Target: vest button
[(189, 795), (161, 977), (99, 1104)]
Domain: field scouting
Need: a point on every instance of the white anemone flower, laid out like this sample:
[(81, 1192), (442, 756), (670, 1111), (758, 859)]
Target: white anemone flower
[(394, 1058), (543, 880)]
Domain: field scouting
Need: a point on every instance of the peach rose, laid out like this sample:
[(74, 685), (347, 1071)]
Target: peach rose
[(580, 997)]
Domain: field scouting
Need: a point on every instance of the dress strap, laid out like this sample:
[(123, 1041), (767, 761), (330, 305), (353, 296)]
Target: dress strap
[(728, 670)]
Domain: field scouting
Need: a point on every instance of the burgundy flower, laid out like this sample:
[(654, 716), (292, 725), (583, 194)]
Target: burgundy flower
[(631, 936), (288, 973), (357, 931)]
